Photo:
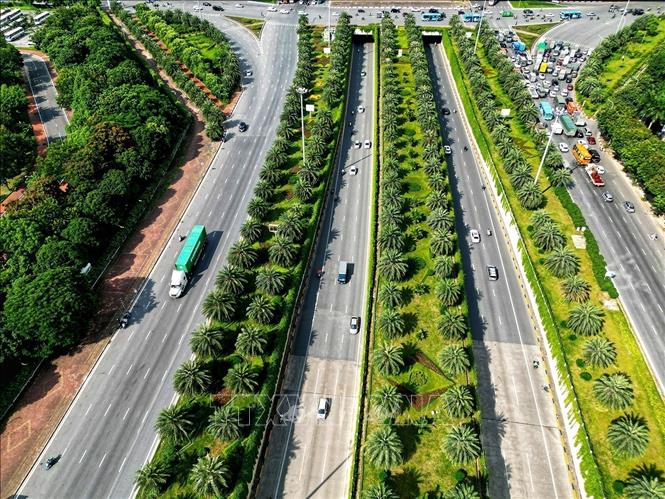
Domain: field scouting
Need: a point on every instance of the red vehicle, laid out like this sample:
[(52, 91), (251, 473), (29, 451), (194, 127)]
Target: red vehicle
[(595, 177), (591, 140)]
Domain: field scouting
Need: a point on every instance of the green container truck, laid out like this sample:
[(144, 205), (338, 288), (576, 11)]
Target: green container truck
[(569, 127), (187, 259)]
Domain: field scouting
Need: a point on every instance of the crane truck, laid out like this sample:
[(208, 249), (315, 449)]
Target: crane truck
[(187, 259)]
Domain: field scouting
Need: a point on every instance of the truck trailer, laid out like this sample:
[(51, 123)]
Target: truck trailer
[(569, 127), (187, 259)]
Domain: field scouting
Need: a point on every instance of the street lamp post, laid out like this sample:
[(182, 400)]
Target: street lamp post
[(549, 141), (482, 14), (302, 91)]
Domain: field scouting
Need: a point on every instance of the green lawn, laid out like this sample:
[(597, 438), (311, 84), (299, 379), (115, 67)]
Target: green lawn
[(529, 33), (533, 4), (254, 25), (208, 48), (630, 361)]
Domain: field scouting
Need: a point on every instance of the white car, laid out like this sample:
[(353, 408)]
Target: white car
[(541, 76), (284, 11), (563, 147), (354, 327), (356, 144), (583, 142), (447, 149), (248, 72), (367, 144), (353, 170), (361, 109), (475, 236), (363, 73), (600, 169), (272, 9), (197, 7), (322, 410), (302, 13), (240, 6)]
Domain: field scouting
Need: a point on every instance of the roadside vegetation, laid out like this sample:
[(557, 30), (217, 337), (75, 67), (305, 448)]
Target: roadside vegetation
[(422, 431), (529, 33), (120, 142), (210, 438), (610, 389), (254, 25), (622, 84), (18, 148), (202, 43)]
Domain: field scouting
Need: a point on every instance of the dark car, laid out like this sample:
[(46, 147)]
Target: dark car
[(445, 111), (242, 126), (591, 140), (395, 10), (218, 8), (579, 134), (207, 4), (595, 155), (433, 11), (528, 12)]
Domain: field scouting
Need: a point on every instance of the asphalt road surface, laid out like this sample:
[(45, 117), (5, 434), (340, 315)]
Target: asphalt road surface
[(51, 115), (521, 440), (310, 457), (108, 432)]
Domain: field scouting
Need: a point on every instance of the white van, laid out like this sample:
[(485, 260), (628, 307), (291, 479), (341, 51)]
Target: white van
[(322, 410)]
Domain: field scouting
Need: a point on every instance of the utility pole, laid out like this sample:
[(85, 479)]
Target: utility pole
[(549, 141), (302, 91), (482, 14)]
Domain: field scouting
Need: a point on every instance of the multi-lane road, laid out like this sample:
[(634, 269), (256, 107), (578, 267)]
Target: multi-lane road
[(308, 456), (107, 434), (52, 116), (521, 439)]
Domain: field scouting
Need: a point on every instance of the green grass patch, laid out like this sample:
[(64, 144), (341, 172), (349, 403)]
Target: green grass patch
[(254, 25), (533, 4), (529, 33)]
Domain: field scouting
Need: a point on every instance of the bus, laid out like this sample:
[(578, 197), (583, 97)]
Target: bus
[(14, 34), (40, 18), (570, 14), (546, 110), (431, 16), (581, 154), (9, 17), (569, 127), (471, 18)]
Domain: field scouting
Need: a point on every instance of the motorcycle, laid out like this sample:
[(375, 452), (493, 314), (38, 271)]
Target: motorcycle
[(489, 232), (52, 461), (124, 320)]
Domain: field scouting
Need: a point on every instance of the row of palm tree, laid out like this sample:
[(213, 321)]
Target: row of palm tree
[(248, 301), (627, 435)]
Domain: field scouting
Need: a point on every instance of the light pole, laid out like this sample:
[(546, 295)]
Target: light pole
[(549, 141), (622, 17), (482, 14), (302, 91)]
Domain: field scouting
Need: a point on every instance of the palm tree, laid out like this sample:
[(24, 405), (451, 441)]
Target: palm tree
[(530, 196), (441, 219), (452, 325), (561, 177), (210, 476), (586, 319), (384, 448), (258, 208), (380, 491), (521, 176), (388, 359), (231, 279), (304, 191), (444, 266), (251, 230), (562, 262), (291, 228), (219, 306), (241, 378), (264, 191), (261, 309), (391, 323), (448, 292), (437, 200), (576, 289), (206, 341), (174, 424), (628, 435), (458, 401), (151, 478), (191, 378), (442, 243), (462, 444), (392, 265), (242, 254), (463, 490), (387, 401), (614, 390), (251, 342), (282, 252), (548, 237), (390, 295), (224, 423), (644, 487), (270, 280), (454, 360), (391, 238), (600, 352)]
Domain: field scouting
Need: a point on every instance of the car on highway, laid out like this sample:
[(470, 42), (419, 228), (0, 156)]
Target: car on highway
[(353, 170), (591, 140), (630, 207), (240, 6), (595, 155), (361, 109), (196, 7), (569, 87), (356, 144), (367, 144), (272, 9), (607, 196), (587, 131), (218, 8), (445, 111), (493, 273), (207, 4), (447, 150), (284, 11), (354, 325), (363, 73), (242, 126), (563, 147), (600, 169), (475, 236), (322, 410), (248, 72), (302, 13), (579, 134)]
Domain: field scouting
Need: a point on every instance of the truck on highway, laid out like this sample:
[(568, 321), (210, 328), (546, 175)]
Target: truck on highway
[(343, 273), (570, 107), (519, 46), (569, 127), (595, 177), (546, 110), (187, 259)]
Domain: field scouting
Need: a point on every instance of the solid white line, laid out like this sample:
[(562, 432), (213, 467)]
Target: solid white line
[(100, 462), (126, 412), (84, 452), (130, 368), (88, 410), (148, 335), (107, 409), (123, 464), (146, 373)]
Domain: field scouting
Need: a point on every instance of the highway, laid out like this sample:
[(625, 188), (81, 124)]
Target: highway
[(521, 440), (107, 434), (310, 457), (41, 85)]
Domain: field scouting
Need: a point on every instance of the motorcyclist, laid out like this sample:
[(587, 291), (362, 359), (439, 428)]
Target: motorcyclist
[(124, 320), (466, 148), (489, 232), (482, 186)]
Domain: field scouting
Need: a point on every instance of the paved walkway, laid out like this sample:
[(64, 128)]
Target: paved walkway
[(41, 407)]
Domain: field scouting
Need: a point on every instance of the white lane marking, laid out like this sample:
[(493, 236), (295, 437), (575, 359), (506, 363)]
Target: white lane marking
[(144, 417), (126, 412), (107, 409), (88, 410), (164, 337), (528, 465), (84, 453), (146, 373), (123, 464), (130, 368), (100, 462), (148, 335)]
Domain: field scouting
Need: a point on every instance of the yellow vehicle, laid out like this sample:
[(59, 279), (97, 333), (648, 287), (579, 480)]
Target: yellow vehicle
[(581, 154), (543, 67)]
